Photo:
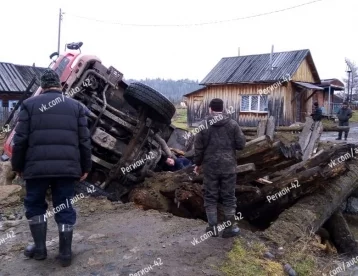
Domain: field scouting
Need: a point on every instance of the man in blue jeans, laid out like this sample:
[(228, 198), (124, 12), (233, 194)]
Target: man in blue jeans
[(52, 148)]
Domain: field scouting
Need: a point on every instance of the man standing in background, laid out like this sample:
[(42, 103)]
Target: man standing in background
[(52, 148), (215, 150), (317, 112), (344, 114)]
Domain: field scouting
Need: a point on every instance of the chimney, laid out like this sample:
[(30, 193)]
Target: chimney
[(271, 58), (238, 52)]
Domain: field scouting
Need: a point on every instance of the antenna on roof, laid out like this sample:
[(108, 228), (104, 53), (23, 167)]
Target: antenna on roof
[(271, 58)]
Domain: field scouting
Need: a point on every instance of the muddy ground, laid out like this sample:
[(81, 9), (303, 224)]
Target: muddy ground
[(114, 239)]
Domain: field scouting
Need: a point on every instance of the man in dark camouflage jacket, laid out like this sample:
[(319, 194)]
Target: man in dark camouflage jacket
[(215, 150)]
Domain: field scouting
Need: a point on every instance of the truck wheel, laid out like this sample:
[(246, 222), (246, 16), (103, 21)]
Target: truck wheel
[(161, 109)]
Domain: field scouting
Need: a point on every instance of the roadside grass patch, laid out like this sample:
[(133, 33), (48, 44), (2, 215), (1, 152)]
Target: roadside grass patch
[(248, 260), (180, 118)]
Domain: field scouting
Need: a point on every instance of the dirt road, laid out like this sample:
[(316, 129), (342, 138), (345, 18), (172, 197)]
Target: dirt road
[(114, 239)]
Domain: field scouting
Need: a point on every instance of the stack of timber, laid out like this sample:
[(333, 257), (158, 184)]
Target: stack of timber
[(289, 190)]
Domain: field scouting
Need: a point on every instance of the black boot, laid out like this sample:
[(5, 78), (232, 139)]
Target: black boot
[(232, 230), (38, 227), (65, 244), (213, 223)]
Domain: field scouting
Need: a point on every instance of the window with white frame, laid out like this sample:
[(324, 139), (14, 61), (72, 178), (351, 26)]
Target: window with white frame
[(254, 103)]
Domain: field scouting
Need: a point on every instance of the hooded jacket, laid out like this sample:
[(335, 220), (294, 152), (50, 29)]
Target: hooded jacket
[(216, 145)]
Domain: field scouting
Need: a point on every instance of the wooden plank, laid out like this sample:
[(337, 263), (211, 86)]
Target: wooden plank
[(250, 167), (305, 135), (313, 142), (261, 129), (270, 129)]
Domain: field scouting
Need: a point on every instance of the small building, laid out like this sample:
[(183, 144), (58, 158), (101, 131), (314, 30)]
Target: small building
[(254, 87), (326, 98), (14, 80)]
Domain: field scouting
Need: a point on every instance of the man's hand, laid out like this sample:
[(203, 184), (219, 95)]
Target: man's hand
[(197, 170), (19, 174), (84, 176)]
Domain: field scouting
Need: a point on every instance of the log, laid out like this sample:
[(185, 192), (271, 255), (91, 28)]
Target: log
[(341, 235), (333, 128), (310, 212)]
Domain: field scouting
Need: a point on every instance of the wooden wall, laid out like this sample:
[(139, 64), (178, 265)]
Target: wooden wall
[(279, 101)]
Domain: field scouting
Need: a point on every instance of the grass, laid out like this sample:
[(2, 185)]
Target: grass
[(354, 118), (247, 259), (180, 118)]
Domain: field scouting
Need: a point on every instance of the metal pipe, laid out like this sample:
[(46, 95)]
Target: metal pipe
[(103, 109)]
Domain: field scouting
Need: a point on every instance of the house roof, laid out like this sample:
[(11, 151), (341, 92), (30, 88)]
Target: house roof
[(335, 83), (16, 78), (257, 68), (196, 90)]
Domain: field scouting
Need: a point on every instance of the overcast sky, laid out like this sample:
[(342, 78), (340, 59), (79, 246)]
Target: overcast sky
[(29, 29)]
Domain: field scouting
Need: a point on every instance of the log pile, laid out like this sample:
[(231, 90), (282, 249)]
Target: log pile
[(287, 189)]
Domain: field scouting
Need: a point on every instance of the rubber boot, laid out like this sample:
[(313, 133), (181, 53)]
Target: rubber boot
[(38, 228), (232, 230), (212, 217), (65, 244)]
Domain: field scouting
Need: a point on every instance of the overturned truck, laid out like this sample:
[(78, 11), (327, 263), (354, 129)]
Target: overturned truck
[(129, 123)]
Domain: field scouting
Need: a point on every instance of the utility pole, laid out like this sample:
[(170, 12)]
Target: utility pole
[(350, 69), (59, 31)]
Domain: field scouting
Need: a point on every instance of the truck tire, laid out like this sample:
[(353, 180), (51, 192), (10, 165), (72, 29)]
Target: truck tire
[(161, 109)]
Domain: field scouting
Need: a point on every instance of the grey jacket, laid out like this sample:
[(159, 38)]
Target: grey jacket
[(344, 114)]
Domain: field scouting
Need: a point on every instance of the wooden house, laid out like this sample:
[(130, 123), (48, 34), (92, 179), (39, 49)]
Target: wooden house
[(257, 86)]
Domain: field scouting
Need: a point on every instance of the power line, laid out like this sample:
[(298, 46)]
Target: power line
[(194, 24)]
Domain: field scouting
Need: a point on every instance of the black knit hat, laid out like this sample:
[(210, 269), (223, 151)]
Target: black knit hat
[(50, 79), (217, 105)]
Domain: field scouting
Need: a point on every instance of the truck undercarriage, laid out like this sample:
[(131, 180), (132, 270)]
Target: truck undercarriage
[(129, 125)]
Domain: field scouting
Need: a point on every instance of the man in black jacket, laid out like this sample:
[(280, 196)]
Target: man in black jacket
[(317, 113), (52, 148), (344, 114), (215, 150)]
